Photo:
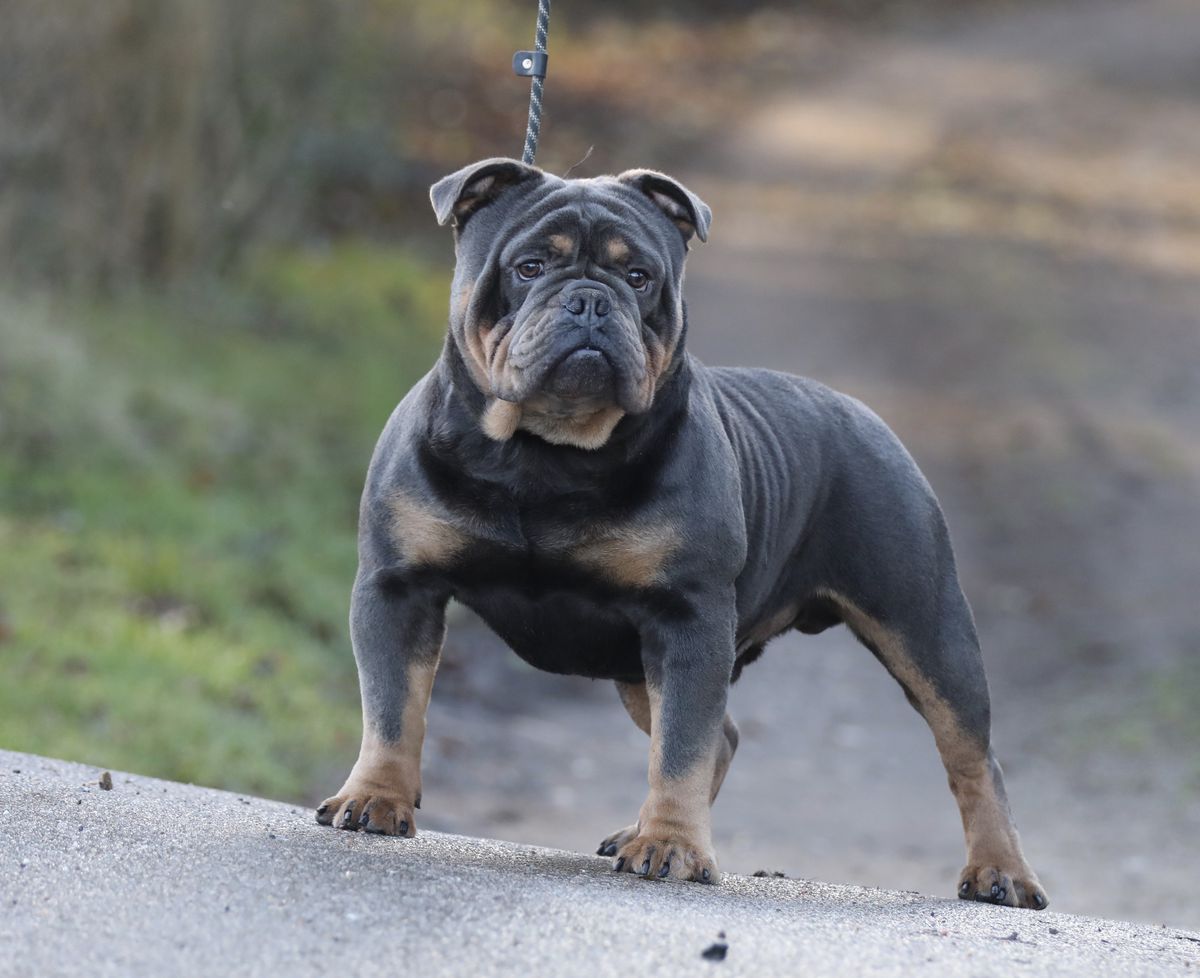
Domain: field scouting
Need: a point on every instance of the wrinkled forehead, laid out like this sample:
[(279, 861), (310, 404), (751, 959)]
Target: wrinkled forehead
[(596, 216)]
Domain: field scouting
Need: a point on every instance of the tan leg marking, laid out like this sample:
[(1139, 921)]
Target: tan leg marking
[(673, 834), (385, 784), (994, 857), (768, 628), (423, 536), (636, 701)]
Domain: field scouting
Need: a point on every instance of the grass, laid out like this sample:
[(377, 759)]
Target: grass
[(179, 479)]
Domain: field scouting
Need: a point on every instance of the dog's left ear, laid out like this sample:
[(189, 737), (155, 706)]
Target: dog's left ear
[(457, 196), (687, 211)]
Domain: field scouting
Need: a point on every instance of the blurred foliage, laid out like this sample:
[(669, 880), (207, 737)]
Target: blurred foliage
[(145, 140), (150, 138), (178, 493)]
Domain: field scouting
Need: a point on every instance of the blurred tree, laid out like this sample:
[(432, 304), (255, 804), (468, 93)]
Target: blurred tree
[(144, 138)]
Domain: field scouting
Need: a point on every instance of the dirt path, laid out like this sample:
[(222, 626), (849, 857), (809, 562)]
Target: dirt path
[(991, 233)]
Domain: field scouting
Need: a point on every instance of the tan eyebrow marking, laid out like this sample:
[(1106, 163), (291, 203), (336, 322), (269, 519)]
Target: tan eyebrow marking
[(562, 244), (617, 249)]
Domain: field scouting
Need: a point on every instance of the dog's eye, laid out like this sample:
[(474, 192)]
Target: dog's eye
[(528, 270), (637, 278)]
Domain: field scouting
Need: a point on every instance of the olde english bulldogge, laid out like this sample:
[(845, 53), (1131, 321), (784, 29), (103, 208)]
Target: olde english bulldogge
[(613, 508)]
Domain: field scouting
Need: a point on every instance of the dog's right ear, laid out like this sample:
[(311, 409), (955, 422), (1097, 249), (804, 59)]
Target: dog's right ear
[(458, 196)]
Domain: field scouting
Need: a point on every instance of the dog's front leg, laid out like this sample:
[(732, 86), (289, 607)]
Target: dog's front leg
[(397, 631), (687, 666)]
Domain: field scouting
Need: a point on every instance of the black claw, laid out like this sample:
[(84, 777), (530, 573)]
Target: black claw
[(999, 892), (965, 888), (322, 810), (404, 826), (619, 865), (348, 817), (705, 875), (645, 868), (1039, 901), (665, 870), (364, 818), (610, 849)]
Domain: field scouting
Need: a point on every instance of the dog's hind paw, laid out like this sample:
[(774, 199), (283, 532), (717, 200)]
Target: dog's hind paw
[(989, 884)]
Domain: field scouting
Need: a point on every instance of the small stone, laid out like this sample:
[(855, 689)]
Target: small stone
[(106, 781)]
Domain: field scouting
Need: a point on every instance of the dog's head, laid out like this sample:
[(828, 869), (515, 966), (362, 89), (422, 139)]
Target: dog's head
[(567, 304)]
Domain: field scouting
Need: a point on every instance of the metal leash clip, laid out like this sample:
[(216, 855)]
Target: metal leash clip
[(530, 64)]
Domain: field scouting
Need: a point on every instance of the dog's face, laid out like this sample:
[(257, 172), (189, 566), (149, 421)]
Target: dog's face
[(567, 300)]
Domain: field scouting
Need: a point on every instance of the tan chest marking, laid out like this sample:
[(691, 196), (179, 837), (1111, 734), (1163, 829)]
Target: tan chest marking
[(629, 556)]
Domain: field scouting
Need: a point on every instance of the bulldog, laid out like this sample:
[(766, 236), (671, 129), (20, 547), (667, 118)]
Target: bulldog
[(613, 508)]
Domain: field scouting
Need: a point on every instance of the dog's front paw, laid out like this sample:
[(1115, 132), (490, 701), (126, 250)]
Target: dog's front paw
[(992, 884), (371, 811), (661, 851)]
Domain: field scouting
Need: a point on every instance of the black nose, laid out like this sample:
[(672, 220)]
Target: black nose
[(590, 304)]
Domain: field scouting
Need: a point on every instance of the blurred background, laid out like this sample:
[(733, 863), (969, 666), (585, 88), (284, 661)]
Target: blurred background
[(219, 272)]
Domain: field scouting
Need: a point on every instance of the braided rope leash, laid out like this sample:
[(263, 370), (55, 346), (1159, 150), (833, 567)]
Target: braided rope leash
[(532, 64)]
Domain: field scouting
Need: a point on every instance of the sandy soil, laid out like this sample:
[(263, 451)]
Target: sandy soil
[(989, 231)]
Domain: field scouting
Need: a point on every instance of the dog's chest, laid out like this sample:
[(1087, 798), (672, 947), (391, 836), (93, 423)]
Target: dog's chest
[(548, 586), (531, 549)]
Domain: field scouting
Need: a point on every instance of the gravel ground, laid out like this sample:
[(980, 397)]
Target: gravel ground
[(156, 878)]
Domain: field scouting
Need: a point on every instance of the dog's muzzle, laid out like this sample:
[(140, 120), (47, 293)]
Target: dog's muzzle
[(586, 372)]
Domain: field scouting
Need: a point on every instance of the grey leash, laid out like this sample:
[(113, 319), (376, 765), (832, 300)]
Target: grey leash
[(532, 64)]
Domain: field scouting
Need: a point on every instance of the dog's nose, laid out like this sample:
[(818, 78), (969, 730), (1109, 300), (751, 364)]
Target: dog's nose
[(589, 304)]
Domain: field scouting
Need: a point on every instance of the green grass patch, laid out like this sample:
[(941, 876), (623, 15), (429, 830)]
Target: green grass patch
[(179, 481)]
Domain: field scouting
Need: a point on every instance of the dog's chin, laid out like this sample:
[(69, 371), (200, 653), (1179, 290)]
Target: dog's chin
[(576, 404), (584, 377)]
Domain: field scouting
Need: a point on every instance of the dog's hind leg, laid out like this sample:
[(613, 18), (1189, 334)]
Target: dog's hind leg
[(636, 701), (931, 649)]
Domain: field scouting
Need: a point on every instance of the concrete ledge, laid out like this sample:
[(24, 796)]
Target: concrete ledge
[(155, 878)]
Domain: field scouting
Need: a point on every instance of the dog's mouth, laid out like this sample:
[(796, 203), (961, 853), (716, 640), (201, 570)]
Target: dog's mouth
[(584, 374)]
